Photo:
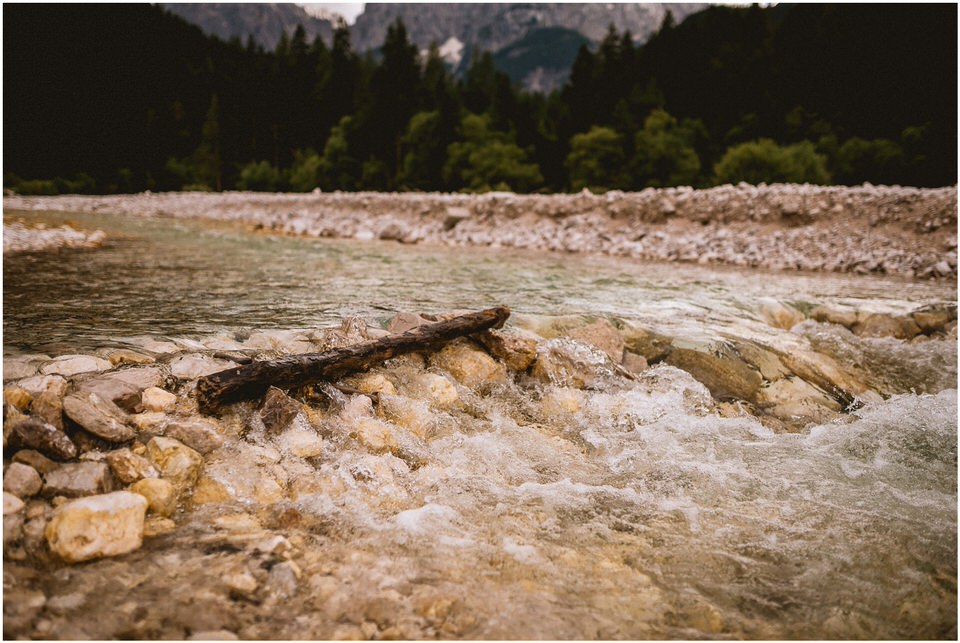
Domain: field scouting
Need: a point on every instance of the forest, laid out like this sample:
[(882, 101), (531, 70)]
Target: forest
[(127, 97)]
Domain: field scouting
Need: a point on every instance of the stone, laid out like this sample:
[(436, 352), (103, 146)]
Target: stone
[(68, 365), (283, 579), (843, 316), (393, 231), (436, 389), (651, 345), (559, 402), (157, 399), (126, 356), (128, 467), (41, 463), (793, 399), (213, 635), (301, 441), (278, 410), (78, 479), (48, 406), (191, 367), (517, 350), (373, 383), (123, 394), (11, 504), (933, 319), (826, 374), (18, 368), (177, 462), (200, 435), (37, 434), (143, 377), (157, 526), (18, 397), (98, 526), (634, 363), (376, 435), (469, 365), (565, 362), (37, 385), (601, 334), (100, 417), (402, 322), (412, 415), (779, 314), (21, 480), (160, 494), (13, 519), (149, 421), (880, 325), (718, 368), (241, 583), (20, 608), (454, 215)]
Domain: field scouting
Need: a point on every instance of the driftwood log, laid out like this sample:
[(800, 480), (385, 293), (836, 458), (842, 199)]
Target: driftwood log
[(253, 380)]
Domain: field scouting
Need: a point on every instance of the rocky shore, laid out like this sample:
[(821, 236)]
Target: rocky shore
[(902, 231)]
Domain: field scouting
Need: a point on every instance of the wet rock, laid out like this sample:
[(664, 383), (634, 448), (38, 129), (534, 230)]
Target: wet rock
[(128, 467), (149, 422), (718, 368), (178, 463), (566, 362), (78, 479), (823, 372), (37, 434), (123, 394), (879, 325), (603, 335), (157, 399), (469, 365), (301, 441), (393, 232), (160, 494), (402, 322), (209, 491), (761, 358), (41, 383), (559, 402), (241, 583), (199, 435), (191, 367), (143, 378), (157, 526), (17, 397), (779, 314), (126, 356), (98, 416), (41, 463), (413, 415), (48, 406), (932, 319), (376, 435), (372, 383), (842, 316), (651, 345), (20, 608), (634, 363), (793, 399), (436, 389), (17, 368), (98, 526), (21, 480), (278, 410), (515, 349), (68, 365), (283, 579), (213, 635)]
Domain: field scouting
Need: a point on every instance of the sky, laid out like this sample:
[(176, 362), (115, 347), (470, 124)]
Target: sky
[(349, 10)]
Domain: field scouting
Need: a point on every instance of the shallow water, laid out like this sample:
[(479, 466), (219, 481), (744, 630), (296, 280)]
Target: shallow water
[(642, 514)]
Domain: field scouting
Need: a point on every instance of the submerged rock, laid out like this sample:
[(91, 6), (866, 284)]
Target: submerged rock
[(879, 325), (278, 410), (719, 368), (191, 367), (780, 315), (603, 335), (98, 526), (565, 362), (200, 435), (515, 349)]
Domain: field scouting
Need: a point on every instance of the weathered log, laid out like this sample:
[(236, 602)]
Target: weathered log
[(253, 380)]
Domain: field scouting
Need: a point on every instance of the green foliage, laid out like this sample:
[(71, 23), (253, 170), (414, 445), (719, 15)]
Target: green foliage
[(763, 161), (339, 169), (259, 177), (877, 161), (206, 158), (489, 160), (426, 152), (596, 160), (305, 172), (665, 154)]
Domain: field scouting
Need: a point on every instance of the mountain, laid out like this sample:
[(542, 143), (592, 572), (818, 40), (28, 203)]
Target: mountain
[(264, 21)]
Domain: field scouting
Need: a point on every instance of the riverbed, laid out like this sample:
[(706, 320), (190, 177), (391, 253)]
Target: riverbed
[(671, 494)]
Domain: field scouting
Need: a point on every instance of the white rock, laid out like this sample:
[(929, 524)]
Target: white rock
[(191, 367), (156, 399), (72, 364), (301, 441), (97, 526), (11, 504), (21, 480), (35, 386)]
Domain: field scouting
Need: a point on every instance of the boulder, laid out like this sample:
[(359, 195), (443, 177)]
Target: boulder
[(48, 406), (78, 479), (98, 526), (123, 394), (128, 467), (178, 463), (718, 368), (68, 365), (157, 399), (779, 314), (160, 494), (200, 435), (100, 417), (880, 325), (33, 433), (516, 349), (601, 334), (21, 480), (191, 367), (469, 365)]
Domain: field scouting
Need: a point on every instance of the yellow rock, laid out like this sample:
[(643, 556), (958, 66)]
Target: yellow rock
[(779, 314), (157, 525), (374, 383), (209, 491), (470, 366), (177, 462), (413, 415), (437, 389), (559, 402), (18, 397), (376, 435), (97, 526), (160, 494), (301, 441), (125, 356), (149, 421), (268, 491), (157, 399)]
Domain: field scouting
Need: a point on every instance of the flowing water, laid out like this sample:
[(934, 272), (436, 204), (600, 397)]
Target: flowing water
[(632, 510)]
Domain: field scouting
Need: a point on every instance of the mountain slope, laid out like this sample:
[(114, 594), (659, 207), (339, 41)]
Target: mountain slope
[(264, 21)]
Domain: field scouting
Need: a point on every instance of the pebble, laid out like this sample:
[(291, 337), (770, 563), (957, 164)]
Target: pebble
[(98, 526), (128, 467), (78, 479), (37, 434), (199, 435), (100, 417), (21, 480), (35, 459)]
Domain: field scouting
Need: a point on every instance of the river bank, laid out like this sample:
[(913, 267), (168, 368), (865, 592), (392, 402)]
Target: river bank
[(902, 231)]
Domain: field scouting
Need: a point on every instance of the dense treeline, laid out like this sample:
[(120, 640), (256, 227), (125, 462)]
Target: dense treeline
[(109, 98)]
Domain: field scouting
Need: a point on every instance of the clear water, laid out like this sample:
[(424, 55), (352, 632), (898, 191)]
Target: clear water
[(642, 515)]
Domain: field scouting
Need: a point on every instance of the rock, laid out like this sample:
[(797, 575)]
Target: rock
[(278, 410), (241, 583), (454, 216), (157, 399), (142, 378), (154, 526), (283, 579), (98, 416), (41, 463), (37, 434), (718, 368), (18, 368), (357, 407), (20, 608), (149, 422), (880, 325), (470, 366), (932, 319), (41, 383), (436, 389), (178, 463), (199, 435), (126, 356), (48, 406), (402, 322), (779, 314), (68, 365), (823, 372), (301, 441), (393, 231), (128, 467), (18, 397), (842, 316), (634, 363), (213, 635), (559, 402), (515, 349), (413, 415), (651, 345), (13, 518), (123, 394), (160, 494), (603, 335), (565, 362), (78, 479), (98, 526), (372, 383), (21, 480), (375, 435), (11, 504), (793, 399), (191, 367)]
